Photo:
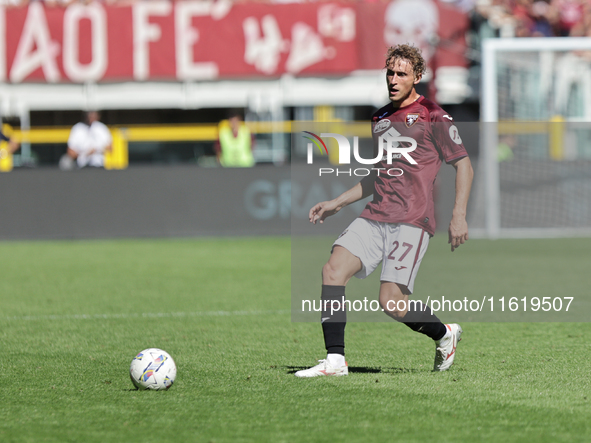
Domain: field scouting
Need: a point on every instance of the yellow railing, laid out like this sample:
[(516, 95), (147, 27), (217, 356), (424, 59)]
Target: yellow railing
[(196, 132), (123, 135), (118, 157)]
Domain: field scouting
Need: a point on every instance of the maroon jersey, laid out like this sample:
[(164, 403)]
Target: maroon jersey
[(406, 194)]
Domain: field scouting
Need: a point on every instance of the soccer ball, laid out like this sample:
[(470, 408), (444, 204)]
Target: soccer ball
[(152, 369)]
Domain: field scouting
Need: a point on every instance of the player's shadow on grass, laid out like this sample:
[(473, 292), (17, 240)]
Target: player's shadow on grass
[(361, 370)]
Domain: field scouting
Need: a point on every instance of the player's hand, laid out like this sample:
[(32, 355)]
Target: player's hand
[(458, 232), (322, 210)]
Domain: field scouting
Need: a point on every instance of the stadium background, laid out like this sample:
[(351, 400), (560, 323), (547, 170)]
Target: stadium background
[(303, 62), (163, 75), (164, 84)]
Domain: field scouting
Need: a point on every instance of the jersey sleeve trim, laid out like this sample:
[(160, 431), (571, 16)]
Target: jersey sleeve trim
[(457, 157)]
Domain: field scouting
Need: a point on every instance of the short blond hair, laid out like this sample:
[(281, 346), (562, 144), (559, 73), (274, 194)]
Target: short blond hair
[(411, 54)]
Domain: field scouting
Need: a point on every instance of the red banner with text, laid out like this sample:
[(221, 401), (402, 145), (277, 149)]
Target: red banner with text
[(178, 41)]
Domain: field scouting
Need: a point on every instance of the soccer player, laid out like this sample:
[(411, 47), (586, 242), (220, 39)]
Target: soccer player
[(395, 227)]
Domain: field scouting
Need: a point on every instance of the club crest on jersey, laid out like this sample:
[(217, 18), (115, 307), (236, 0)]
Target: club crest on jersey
[(411, 119), (381, 125)]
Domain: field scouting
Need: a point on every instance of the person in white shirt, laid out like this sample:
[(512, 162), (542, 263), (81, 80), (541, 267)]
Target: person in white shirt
[(89, 141)]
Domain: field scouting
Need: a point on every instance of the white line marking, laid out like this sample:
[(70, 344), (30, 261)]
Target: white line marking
[(143, 315)]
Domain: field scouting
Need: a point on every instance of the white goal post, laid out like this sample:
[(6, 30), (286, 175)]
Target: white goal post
[(535, 138)]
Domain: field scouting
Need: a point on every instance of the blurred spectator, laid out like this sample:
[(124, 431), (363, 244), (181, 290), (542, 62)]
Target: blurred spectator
[(493, 18), (13, 145), (530, 18), (7, 148), (235, 142), (89, 141), (583, 27), (537, 17), (570, 14), (505, 148)]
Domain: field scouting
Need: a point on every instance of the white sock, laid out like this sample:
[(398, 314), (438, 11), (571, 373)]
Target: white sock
[(336, 360)]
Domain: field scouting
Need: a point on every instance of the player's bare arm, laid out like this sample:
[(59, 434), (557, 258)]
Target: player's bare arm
[(73, 154), (322, 210), (458, 227), (13, 146), (104, 149)]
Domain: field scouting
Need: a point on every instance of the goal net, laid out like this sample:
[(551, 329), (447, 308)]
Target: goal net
[(535, 139)]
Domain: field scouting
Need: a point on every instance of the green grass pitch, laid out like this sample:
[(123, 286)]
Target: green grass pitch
[(73, 315)]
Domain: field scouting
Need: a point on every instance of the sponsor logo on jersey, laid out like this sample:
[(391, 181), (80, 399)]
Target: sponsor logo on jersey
[(382, 125), (398, 268), (385, 157), (448, 117), (411, 119), (455, 135)]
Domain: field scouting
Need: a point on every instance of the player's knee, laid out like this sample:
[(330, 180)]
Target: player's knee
[(394, 308), (332, 275)]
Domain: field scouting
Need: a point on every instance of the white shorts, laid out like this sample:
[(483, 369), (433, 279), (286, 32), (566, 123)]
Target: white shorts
[(399, 247)]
